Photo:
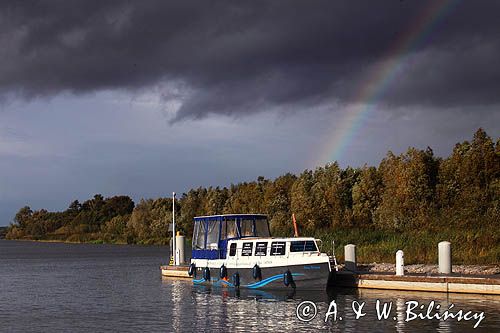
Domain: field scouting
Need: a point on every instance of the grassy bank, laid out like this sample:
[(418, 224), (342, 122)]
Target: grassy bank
[(480, 246)]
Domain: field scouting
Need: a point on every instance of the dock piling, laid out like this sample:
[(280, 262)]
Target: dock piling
[(400, 265), (350, 257), (444, 249)]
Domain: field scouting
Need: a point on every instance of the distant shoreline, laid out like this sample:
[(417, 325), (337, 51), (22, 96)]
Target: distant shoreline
[(74, 242), (3, 232)]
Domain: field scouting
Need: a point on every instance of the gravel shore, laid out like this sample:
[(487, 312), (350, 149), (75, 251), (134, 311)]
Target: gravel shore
[(429, 269)]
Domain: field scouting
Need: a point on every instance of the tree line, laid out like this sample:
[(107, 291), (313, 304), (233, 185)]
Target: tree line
[(3, 232), (406, 193)]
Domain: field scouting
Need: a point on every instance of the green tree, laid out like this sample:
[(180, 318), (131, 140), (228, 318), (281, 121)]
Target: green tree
[(301, 203), (409, 182), (468, 190), (23, 217), (366, 196), (277, 202)]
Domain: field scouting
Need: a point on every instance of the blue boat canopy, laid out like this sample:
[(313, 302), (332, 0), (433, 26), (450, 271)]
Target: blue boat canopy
[(211, 233)]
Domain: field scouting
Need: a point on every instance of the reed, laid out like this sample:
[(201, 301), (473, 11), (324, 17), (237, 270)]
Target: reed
[(479, 246)]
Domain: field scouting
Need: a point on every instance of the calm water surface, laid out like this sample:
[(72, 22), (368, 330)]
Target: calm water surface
[(52, 287)]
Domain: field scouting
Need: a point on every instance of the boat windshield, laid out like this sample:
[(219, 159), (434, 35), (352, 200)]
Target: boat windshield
[(246, 227), (262, 228), (229, 228)]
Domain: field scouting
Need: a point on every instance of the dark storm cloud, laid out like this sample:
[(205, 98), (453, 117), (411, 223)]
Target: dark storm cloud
[(239, 57)]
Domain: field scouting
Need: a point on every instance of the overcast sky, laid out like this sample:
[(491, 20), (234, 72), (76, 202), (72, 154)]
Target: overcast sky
[(143, 98)]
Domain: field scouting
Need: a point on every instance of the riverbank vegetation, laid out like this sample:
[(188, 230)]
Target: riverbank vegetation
[(410, 201), (3, 232)]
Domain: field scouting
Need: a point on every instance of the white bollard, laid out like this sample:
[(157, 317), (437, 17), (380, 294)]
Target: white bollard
[(180, 242), (444, 257), (400, 263), (350, 257)]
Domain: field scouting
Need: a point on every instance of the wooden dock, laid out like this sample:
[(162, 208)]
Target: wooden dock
[(175, 271), (470, 284)]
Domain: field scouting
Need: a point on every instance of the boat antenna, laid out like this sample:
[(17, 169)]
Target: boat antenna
[(173, 229)]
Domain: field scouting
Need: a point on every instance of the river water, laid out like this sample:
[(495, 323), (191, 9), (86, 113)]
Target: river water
[(55, 287)]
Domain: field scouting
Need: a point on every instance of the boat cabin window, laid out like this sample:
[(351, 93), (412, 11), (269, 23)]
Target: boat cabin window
[(232, 250), (213, 235), (262, 228), (231, 228), (247, 249), (260, 248), (277, 248), (246, 227), (303, 246), (199, 235)]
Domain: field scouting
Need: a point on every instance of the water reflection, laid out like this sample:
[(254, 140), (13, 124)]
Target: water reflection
[(176, 303), (246, 309), (271, 294), (400, 316)]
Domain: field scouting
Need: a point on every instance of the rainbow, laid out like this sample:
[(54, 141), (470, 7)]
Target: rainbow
[(383, 74)]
